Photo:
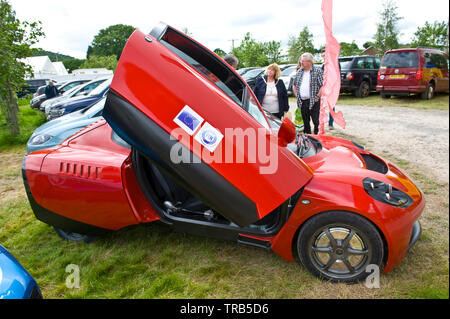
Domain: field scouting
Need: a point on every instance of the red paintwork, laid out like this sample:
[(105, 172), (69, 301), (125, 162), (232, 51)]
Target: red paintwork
[(90, 179), (174, 84)]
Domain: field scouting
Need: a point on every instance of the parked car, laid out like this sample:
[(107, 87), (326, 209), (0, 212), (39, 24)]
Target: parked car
[(242, 71), (56, 131), (32, 86), (287, 76), (359, 74), (15, 281), (80, 90), (250, 76), (80, 102), (325, 202), (62, 87), (421, 71)]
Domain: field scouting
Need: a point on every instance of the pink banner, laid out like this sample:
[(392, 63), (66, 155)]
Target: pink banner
[(332, 73)]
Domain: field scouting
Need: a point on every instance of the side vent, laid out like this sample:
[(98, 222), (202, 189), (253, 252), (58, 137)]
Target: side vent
[(80, 170)]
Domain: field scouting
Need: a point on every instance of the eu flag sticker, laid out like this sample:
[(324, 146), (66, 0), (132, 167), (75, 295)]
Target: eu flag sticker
[(188, 120)]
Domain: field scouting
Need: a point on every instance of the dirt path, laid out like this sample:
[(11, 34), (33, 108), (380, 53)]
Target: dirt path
[(417, 136)]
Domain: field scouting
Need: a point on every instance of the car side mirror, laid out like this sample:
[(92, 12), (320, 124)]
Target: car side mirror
[(286, 133)]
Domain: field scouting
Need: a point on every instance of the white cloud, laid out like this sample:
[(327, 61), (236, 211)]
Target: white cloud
[(71, 26)]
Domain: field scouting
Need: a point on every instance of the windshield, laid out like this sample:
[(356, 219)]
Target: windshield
[(405, 59), (346, 63), (99, 89), (72, 90)]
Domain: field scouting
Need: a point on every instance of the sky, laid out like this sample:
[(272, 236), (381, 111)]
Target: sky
[(70, 26)]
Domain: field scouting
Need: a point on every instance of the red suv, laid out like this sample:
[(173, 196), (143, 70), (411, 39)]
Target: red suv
[(419, 70)]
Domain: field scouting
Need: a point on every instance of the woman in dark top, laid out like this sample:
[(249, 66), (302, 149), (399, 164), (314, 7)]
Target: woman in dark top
[(271, 92)]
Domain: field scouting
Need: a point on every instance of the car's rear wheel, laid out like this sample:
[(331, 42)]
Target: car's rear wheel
[(363, 89), (429, 93), (338, 246), (76, 237)]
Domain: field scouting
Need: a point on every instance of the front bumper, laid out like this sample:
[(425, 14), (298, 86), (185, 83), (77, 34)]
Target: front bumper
[(401, 90)]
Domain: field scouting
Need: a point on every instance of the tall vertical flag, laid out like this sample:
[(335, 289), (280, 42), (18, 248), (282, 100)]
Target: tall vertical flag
[(332, 73)]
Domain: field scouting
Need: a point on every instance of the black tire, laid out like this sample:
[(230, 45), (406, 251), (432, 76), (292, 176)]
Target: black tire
[(75, 237), (363, 90), (429, 93), (343, 259), (385, 96)]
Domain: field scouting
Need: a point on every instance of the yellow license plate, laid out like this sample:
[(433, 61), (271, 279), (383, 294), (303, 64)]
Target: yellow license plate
[(397, 76)]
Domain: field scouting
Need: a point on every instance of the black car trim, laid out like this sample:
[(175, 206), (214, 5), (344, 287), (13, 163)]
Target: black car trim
[(206, 184)]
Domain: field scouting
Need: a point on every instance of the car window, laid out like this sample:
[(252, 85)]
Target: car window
[(288, 71), (346, 63), (377, 63), (403, 59), (368, 63), (434, 60), (99, 89), (359, 64), (88, 88)]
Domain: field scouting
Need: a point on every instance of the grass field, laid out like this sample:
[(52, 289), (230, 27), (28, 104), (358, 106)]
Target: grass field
[(154, 262), (439, 102)]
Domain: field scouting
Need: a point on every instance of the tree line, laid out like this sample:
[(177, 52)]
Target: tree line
[(17, 39)]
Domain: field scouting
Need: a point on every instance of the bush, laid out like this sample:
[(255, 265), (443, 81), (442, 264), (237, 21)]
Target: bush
[(29, 120)]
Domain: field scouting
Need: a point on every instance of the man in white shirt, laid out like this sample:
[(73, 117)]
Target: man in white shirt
[(307, 88)]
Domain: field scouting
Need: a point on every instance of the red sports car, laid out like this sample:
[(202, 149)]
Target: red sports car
[(185, 142)]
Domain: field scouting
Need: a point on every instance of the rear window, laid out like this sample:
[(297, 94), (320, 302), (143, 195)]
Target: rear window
[(406, 59), (346, 63)]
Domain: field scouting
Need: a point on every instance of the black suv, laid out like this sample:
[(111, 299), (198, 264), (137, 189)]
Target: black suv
[(359, 74)]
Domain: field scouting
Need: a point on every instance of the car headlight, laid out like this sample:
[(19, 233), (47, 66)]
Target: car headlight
[(40, 139), (386, 193)]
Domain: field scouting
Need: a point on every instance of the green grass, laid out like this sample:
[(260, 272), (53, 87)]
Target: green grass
[(439, 102), (29, 120), (155, 262)]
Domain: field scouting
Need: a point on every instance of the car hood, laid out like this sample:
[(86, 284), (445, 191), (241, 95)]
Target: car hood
[(66, 126), (75, 116)]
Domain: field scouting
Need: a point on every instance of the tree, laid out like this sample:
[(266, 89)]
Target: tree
[(272, 50), (250, 52), (111, 41), (349, 49), (302, 44), (15, 43), (220, 52), (73, 64), (386, 37), (94, 62), (431, 35)]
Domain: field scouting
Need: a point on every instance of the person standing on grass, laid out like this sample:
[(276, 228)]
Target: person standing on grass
[(50, 90), (307, 88)]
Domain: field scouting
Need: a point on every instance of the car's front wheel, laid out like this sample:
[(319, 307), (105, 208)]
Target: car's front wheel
[(339, 247)]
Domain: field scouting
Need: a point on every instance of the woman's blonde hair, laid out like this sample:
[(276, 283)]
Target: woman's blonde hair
[(276, 68)]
